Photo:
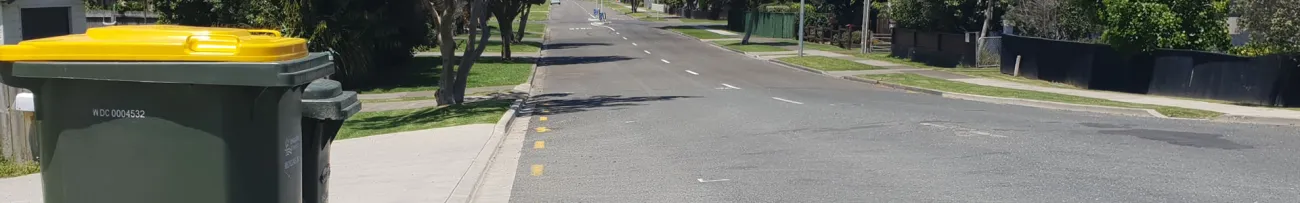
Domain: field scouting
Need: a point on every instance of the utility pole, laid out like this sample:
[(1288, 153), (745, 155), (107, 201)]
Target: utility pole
[(801, 27), (866, 26)]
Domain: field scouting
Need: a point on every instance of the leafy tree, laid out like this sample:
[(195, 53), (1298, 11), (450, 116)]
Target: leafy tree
[(941, 15), (1056, 19), (1144, 25), (1133, 25), (523, 18), (445, 15), (1272, 25)]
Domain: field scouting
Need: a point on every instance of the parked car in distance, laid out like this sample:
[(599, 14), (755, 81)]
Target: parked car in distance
[(555, 2)]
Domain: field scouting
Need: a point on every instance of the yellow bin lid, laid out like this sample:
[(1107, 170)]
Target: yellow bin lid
[(160, 43)]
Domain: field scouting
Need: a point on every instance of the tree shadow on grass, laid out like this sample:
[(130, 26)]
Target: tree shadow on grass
[(560, 103), (403, 120), (423, 72), (573, 45), (572, 60)]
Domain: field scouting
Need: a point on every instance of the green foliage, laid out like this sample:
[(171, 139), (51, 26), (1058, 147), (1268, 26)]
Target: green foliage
[(121, 6), (1272, 24), (940, 15), (368, 35), (1076, 20), (1140, 26), (1144, 25)]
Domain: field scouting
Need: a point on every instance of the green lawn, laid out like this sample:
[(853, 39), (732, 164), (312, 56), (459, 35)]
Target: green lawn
[(967, 88), (539, 16), (422, 75), (532, 28), (996, 73), (541, 7), (494, 46), (752, 47), (827, 63), (11, 169), (383, 122), (688, 20), (814, 46), (699, 33), (884, 56)]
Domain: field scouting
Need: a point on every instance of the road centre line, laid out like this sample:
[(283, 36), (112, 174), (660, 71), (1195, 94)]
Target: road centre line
[(729, 86), (692, 72), (646, 51), (665, 61), (787, 100), (634, 44), (624, 38)]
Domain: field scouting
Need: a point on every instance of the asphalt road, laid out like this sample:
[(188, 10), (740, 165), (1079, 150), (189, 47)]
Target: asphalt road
[(687, 122)]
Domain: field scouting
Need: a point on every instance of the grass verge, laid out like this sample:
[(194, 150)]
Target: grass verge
[(494, 46), (827, 63), (689, 20), (384, 122), (699, 33), (539, 16), (751, 47), (422, 73), (966, 88), (811, 45), (11, 169)]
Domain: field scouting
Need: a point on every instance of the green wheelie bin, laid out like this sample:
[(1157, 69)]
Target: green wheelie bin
[(325, 107), (160, 113)]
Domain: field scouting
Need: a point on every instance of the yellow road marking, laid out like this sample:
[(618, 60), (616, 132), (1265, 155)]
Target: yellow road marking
[(537, 169), (546, 111), (539, 145), (543, 118), (542, 129)]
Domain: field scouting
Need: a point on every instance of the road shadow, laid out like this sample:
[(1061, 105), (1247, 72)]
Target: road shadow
[(571, 60), (573, 45), (561, 103)]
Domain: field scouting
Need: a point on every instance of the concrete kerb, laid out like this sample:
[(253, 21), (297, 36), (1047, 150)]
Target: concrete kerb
[(799, 67), (468, 183), (467, 191)]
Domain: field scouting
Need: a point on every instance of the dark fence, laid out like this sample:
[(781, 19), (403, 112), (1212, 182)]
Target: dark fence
[(1269, 80), (934, 49), (774, 25)]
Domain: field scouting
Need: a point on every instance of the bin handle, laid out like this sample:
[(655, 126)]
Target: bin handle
[(272, 32), (193, 41)]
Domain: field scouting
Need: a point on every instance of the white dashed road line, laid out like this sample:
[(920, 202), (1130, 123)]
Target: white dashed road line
[(624, 38), (692, 72), (665, 61), (729, 86), (646, 51), (787, 100), (634, 44)]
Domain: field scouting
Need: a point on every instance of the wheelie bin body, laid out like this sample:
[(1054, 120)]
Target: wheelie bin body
[(325, 107), (157, 113)]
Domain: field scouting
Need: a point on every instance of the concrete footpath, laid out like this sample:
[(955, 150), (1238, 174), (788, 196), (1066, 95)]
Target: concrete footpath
[(415, 166)]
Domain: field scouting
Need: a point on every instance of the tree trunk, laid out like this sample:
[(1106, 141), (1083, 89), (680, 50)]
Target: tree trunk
[(523, 22), (633, 6), (506, 36), (473, 50), (751, 26), (447, 45), (984, 32)]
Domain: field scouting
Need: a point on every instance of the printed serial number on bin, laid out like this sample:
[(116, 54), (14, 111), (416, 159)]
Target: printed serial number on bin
[(117, 113)]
